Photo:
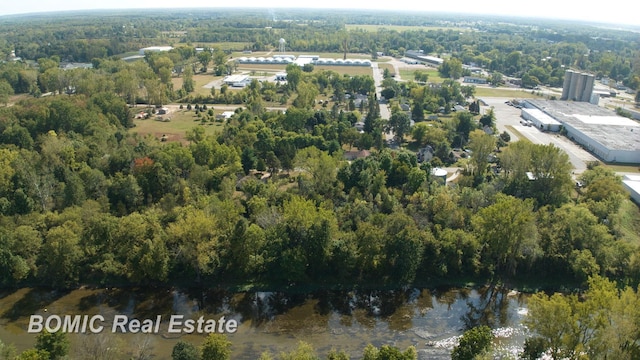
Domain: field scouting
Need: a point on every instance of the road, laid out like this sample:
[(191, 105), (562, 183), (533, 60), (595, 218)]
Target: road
[(385, 112)]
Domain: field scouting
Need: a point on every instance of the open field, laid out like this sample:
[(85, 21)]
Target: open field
[(350, 70), (273, 68), (434, 76), (225, 46), (387, 66), (175, 129), (200, 79), (482, 91), (623, 168), (627, 222), (517, 133), (400, 28)]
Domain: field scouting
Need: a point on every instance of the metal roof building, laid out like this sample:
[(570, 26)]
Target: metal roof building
[(610, 137)]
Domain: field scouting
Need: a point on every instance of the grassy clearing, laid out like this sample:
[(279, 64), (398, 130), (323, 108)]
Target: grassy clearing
[(517, 133), (387, 66), (175, 129), (504, 92), (624, 168), (626, 222), (201, 80), (434, 76), (226, 46), (400, 28), (349, 70)]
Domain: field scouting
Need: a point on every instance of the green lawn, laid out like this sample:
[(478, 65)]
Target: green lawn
[(175, 129), (626, 222), (434, 76), (517, 133), (504, 92)]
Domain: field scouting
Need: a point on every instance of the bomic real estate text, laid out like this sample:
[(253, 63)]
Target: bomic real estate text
[(95, 324)]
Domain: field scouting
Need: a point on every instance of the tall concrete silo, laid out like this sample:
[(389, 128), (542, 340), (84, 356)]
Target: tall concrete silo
[(566, 85), (573, 88), (588, 88), (582, 79)]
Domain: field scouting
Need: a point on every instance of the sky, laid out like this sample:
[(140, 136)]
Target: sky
[(557, 9)]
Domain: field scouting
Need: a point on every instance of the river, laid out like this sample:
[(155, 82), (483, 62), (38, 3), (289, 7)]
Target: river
[(429, 319)]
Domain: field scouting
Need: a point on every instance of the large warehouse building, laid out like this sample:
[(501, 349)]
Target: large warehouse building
[(612, 138), (632, 184)]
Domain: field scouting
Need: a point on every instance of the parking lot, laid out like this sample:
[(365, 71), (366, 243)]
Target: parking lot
[(510, 116)]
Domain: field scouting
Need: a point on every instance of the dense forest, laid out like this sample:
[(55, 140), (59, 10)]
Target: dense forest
[(271, 202)]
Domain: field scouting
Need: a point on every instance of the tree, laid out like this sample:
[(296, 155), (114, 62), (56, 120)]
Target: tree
[(386, 352), (307, 94), (216, 347), (294, 75), (204, 58), (320, 165), (481, 145), (188, 84), (488, 119), (464, 126), (451, 68), (62, 255), (496, 79), (399, 124), (304, 351), (56, 344), (599, 326), (185, 350), (474, 342), (507, 232), (5, 92)]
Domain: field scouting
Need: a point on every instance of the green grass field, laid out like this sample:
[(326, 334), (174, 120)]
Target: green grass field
[(175, 129), (434, 76), (517, 133), (627, 222), (504, 92)]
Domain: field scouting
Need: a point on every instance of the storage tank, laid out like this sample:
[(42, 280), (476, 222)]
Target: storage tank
[(573, 86), (440, 174), (566, 85), (588, 88)]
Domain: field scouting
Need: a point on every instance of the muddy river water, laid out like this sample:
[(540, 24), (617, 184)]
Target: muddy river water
[(429, 319)]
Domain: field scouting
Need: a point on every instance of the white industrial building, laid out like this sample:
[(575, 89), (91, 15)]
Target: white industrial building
[(612, 138), (237, 80), (155, 49), (541, 120), (632, 184), (303, 60)]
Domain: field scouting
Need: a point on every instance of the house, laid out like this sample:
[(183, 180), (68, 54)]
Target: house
[(475, 80), (353, 155), (425, 154), (225, 115)]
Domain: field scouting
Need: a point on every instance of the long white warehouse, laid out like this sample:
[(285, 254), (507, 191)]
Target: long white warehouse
[(612, 138)]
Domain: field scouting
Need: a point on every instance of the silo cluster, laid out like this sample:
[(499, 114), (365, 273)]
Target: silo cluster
[(577, 86)]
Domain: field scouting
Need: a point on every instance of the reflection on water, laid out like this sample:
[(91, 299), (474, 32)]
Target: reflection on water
[(430, 320)]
